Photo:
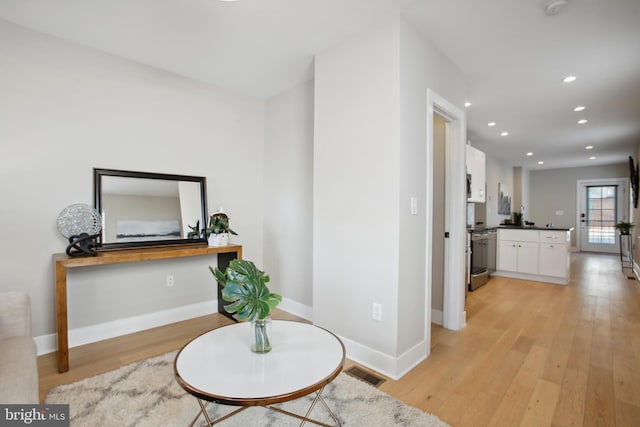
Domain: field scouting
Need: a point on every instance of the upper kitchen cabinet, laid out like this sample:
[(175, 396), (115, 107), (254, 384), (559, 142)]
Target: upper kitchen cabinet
[(476, 173)]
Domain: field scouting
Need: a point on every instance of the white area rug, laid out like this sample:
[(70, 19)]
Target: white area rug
[(146, 394)]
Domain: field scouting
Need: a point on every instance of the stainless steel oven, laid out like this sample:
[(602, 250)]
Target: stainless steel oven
[(492, 237), (479, 272)]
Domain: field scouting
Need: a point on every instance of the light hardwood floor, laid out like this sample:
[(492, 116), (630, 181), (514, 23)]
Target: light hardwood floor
[(532, 354)]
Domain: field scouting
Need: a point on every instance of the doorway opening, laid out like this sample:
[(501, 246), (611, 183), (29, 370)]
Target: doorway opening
[(438, 221), (602, 204), (449, 240)]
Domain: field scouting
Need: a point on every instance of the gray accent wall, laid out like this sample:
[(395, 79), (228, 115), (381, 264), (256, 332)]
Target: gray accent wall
[(553, 193)]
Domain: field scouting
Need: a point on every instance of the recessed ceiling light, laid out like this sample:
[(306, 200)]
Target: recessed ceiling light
[(579, 108), (529, 153), (541, 162), (588, 147), (569, 79), (554, 7), (467, 104), (582, 121), (504, 134), (592, 158), (491, 124)]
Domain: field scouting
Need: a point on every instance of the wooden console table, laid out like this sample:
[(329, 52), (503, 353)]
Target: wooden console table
[(62, 262)]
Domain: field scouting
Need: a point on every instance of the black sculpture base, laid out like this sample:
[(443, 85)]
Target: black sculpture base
[(82, 245)]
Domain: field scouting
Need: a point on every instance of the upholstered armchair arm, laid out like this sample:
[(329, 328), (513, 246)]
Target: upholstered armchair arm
[(15, 314)]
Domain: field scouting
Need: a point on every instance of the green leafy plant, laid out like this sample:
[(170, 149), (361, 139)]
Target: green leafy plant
[(244, 286), (624, 227), (517, 218), (218, 223), (195, 231)]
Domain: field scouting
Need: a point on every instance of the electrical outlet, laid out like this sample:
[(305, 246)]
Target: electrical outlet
[(376, 311), (169, 281)]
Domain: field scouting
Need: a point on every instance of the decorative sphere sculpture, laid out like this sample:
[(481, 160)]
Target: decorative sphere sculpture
[(81, 224)]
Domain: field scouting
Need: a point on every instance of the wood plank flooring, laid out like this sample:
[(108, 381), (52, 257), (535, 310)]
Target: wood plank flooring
[(532, 354)]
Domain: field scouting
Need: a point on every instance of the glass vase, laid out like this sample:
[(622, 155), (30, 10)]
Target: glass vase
[(261, 335)]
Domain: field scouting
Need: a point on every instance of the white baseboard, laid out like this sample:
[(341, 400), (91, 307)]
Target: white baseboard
[(387, 365), (294, 307), (129, 325), (391, 367)]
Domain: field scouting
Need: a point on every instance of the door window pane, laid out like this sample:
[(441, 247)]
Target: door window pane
[(602, 214)]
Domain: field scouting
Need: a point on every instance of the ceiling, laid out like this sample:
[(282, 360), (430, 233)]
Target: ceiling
[(512, 54)]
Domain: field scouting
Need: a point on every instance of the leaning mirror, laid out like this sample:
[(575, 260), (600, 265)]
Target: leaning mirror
[(149, 209)]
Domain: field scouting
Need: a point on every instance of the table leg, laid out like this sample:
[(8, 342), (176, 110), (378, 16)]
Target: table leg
[(210, 422), (306, 418), (61, 317)]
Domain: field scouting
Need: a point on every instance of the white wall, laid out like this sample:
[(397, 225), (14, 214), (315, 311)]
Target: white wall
[(64, 110), (422, 67), (356, 181), (288, 197), (369, 159)]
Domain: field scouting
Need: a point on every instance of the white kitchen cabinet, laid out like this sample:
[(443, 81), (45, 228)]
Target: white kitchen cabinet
[(507, 255), (528, 257), (518, 251), (534, 254), (553, 259), (476, 174), (554, 253)]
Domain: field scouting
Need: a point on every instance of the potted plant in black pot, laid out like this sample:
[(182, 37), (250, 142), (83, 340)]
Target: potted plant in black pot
[(245, 287), (624, 227)]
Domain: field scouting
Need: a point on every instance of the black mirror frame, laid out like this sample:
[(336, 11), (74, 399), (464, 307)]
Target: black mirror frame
[(97, 185), (634, 176)]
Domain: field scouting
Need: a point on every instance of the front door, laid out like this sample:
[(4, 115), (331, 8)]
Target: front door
[(601, 208)]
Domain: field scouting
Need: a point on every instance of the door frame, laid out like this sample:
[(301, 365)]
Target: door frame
[(582, 183), (453, 316)]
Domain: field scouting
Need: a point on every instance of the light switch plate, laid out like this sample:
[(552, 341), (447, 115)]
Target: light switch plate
[(414, 205)]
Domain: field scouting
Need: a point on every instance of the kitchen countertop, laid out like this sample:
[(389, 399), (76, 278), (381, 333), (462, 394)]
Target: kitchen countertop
[(518, 227), (480, 228)]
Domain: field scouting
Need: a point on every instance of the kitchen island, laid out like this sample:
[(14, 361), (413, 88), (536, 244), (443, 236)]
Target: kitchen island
[(534, 253)]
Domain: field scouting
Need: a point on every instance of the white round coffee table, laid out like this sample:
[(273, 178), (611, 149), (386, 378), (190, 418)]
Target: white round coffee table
[(219, 366)]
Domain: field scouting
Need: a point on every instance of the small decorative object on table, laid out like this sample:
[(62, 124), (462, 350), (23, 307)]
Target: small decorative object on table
[(81, 224), (244, 286), (217, 233)]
